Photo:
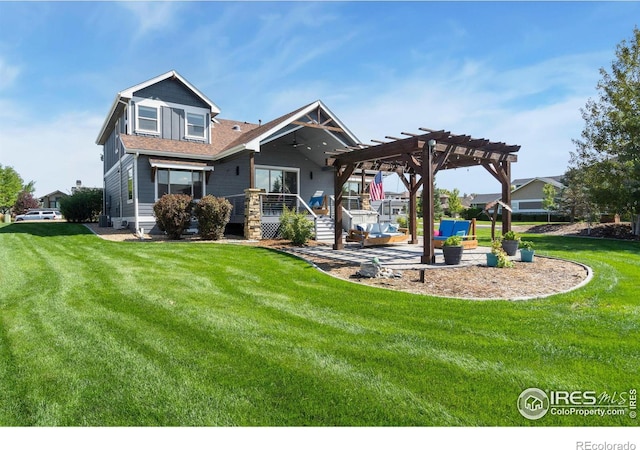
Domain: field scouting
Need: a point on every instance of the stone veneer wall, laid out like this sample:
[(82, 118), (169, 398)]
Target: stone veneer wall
[(252, 219)]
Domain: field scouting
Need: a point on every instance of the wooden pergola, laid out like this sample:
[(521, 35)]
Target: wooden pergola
[(422, 156)]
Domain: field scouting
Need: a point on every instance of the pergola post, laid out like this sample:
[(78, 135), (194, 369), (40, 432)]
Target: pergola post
[(425, 155), (506, 196), (340, 178), (428, 253), (413, 215)]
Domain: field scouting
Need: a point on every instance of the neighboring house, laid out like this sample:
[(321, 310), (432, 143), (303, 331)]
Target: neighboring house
[(480, 200), (526, 197), (164, 136), (52, 200)]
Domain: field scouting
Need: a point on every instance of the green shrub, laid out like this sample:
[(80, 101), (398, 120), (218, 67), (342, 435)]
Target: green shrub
[(452, 241), (527, 245), (213, 215), (511, 236), (173, 214), (403, 222), (295, 226), (85, 205)]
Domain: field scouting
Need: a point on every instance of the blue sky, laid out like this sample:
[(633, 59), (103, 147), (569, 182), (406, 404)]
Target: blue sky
[(516, 72)]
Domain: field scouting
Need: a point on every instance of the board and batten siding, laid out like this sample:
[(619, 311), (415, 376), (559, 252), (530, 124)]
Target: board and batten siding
[(171, 91)]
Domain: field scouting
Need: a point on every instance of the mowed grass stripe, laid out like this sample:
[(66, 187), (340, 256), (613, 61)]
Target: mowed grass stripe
[(183, 334)]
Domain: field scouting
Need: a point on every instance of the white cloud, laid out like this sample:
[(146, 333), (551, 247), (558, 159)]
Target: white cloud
[(536, 107), (8, 74), (153, 16), (54, 153)]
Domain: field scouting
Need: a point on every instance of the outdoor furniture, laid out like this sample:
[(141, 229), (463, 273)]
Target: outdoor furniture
[(318, 203), (378, 234), (466, 229)]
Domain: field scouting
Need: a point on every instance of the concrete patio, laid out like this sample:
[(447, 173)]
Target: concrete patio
[(398, 256)]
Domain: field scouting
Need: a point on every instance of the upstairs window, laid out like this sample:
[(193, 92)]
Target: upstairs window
[(195, 125), (148, 119)]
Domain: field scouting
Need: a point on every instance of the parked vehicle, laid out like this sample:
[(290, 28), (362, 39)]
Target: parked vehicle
[(45, 214)]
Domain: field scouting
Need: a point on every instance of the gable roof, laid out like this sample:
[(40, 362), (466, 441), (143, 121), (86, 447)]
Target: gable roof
[(50, 194), (556, 179), (483, 199), (123, 96), (228, 137), (553, 181), (251, 140)]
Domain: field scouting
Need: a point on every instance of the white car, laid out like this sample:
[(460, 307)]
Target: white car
[(45, 214)]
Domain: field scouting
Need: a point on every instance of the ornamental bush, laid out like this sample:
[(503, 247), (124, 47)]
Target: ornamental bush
[(213, 215), (173, 214), (295, 226), (85, 205)]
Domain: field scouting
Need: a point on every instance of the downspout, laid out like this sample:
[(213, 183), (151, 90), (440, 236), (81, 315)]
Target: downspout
[(135, 191), (120, 206)]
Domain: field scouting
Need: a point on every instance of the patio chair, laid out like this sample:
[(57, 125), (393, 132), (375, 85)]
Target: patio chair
[(466, 229), (369, 234), (318, 203)]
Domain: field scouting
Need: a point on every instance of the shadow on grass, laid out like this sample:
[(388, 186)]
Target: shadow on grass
[(44, 229)]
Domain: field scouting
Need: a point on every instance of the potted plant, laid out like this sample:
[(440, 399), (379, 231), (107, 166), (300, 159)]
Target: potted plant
[(510, 242), (526, 251), (492, 257), (452, 249), (498, 257)]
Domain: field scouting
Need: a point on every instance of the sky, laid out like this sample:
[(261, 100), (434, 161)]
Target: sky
[(514, 72)]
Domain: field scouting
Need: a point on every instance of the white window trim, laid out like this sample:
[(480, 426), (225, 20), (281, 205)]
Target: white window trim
[(182, 169), (285, 169), (133, 187), (186, 125), (141, 101), (143, 130)]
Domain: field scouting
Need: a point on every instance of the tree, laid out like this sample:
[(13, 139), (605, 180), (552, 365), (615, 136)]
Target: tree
[(10, 187), (608, 153), (574, 199), (25, 202), (455, 205), (549, 200), (84, 205)]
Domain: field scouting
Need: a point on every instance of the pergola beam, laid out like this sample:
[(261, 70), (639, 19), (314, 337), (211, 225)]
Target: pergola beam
[(417, 155)]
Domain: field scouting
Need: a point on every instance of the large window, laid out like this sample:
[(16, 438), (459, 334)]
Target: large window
[(195, 125), (147, 119), (277, 180), (174, 181)]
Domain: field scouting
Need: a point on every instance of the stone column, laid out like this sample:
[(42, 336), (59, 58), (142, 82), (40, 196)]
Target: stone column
[(365, 202), (252, 218)]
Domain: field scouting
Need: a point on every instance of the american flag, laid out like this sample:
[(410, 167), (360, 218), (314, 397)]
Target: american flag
[(376, 191)]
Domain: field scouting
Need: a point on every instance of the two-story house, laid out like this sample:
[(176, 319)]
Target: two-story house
[(165, 136)]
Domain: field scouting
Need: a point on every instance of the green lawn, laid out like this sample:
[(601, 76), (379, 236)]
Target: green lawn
[(103, 333)]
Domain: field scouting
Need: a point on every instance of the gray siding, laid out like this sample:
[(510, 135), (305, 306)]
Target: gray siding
[(173, 123), (112, 195), (146, 187), (322, 179), (171, 91), (224, 180), (110, 156), (127, 208)]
